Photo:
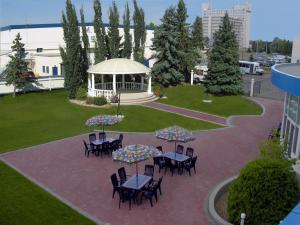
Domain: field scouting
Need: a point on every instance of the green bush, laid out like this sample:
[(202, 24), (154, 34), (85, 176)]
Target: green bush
[(100, 100), (81, 93), (89, 100), (266, 190)]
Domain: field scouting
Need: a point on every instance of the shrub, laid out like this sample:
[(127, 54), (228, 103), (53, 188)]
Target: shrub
[(158, 91), (100, 100), (89, 100), (266, 191), (114, 99), (81, 93)]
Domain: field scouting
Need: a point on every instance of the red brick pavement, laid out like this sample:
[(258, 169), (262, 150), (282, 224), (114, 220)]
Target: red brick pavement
[(61, 167)]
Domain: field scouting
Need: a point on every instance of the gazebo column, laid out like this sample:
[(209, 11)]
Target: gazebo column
[(123, 81), (102, 82), (93, 84), (142, 82), (114, 84), (149, 84)]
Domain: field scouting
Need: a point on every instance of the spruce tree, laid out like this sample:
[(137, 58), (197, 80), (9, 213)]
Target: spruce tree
[(72, 53), (197, 34), (127, 50), (99, 29), (85, 50), (113, 32), (165, 42), (224, 76), (139, 33), (17, 67)]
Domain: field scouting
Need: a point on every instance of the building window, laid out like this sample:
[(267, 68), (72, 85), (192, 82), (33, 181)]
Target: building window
[(44, 70), (47, 69), (93, 39), (39, 49)]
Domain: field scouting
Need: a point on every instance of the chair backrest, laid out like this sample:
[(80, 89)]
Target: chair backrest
[(194, 159), (102, 135), (121, 137), (92, 137), (85, 145), (189, 152), (114, 180), (125, 194), (122, 174), (149, 170), (115, 145), (156, 160), (179, 149), (159, 148), (105, 145)]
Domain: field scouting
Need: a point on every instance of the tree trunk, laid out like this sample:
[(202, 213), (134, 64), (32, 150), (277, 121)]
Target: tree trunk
[(14, 95)]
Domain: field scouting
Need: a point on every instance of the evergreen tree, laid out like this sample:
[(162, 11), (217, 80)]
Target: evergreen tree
[(17, 67), (72, 53), (99, 29), (113, 32), (187, 53), (139, 33), (224, 76), (197, 35), (85, 50), (165, 42), (126, 53)]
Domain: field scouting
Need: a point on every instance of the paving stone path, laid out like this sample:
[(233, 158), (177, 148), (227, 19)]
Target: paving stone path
[(187, 112), (84, 183)]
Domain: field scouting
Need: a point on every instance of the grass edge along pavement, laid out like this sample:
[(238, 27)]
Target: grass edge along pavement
[(41, 117), (23, 202), (190, 97)]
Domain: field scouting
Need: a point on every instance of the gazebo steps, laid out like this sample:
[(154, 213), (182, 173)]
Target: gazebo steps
[(136, 98)]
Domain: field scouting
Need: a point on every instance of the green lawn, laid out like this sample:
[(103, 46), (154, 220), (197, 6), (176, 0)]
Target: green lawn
[(41, 117), (190, 97), (24, 203)]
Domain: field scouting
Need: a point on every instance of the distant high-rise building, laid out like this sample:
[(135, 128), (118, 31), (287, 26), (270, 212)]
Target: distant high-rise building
[(239, 16)]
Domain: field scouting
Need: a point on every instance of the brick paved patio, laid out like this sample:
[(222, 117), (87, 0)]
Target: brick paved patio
[(85, 182)]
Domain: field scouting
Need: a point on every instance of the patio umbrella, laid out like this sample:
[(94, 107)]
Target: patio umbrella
[(174, 133), (103, 120), (135, 154)]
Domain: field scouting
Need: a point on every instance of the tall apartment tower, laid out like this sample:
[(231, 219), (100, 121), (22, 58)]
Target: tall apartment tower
[(239, 16)]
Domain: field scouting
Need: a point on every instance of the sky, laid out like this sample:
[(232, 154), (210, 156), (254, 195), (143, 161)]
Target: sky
[(269, 18)]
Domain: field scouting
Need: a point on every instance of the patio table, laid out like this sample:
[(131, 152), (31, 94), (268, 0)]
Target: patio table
[(100, 141), (137, 183), (176, 157)]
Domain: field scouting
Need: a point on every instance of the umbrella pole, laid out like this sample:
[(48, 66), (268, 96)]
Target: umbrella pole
[(175, 149), (137, 177)]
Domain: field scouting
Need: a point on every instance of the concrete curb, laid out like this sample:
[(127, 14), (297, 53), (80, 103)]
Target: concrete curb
[(215, 218)]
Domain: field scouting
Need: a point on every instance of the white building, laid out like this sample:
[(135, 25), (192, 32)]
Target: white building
[(239, 16), (42, 43), (296, 50)]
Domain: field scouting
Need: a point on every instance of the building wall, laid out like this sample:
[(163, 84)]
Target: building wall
[(296, 50), (239, 16), (49, 39)]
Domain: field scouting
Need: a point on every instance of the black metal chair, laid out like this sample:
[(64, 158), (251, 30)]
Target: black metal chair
[(156, 185), (115, 184), (122, 175), (102, 135), (105, 148), (159, 160), (114, 145), (148, 194), (189, 152), (191, 163), (92, 137), (89, 148), (170, 165), (179, 149), (149, 170), (125, 195), (121, 136)]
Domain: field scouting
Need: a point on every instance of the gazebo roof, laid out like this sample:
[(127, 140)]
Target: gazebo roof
[(118, 66)]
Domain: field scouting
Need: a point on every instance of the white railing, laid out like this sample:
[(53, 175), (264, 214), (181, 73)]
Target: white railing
[(98, 93), (119, 85)]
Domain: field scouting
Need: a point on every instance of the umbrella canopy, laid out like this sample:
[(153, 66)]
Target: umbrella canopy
[(104, 120), (135, 153), (174, 133)]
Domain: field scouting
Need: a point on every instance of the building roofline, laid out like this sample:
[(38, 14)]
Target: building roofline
[(49, 25)]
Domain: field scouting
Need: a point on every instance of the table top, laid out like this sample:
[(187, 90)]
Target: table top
[(175, 156), (100, 141), (137, 183)]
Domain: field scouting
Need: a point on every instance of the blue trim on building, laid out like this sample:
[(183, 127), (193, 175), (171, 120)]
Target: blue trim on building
[(286, 82), (47, 25)]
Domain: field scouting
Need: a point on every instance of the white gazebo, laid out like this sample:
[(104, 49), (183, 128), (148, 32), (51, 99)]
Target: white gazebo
[(102, 79)]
